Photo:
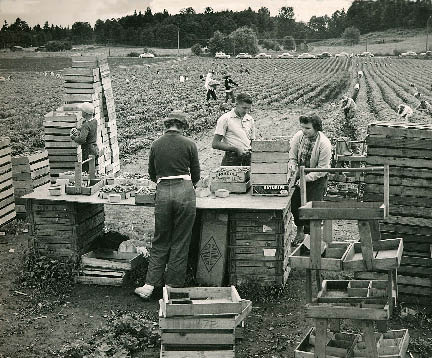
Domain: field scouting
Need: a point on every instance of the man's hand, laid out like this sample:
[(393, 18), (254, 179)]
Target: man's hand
[(292, 166), (74, 132), (241, 151)]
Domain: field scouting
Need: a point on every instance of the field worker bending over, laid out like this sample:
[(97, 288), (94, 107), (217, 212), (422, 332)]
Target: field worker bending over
[(425, 107), (174, 166), (310, 148), (348, 107), (234, 132), (229, 89), (404, 111), (86, 136)]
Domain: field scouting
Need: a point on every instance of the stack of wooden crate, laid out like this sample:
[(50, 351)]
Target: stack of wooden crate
[(270, 173), (107, 268), (407, 148), (200, 321), (7, 203), (29, 171), (112, 151), (63, 152), (64, 229), (259, 247)]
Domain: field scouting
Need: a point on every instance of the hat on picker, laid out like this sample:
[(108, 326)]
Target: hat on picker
[(87, 107), (178, 116)]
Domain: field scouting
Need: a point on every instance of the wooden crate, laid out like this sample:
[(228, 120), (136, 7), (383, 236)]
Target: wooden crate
[(392, 344), (231, 187), (201, 321), (64, 229), (29, 171), (233, 174), (145, 195), (339, 345), (271, 190), (106, 267), (331, 259), (387, 255), (7, 203)]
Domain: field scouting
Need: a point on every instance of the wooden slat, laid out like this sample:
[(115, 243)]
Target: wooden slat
[(399, 162), (374, 141)]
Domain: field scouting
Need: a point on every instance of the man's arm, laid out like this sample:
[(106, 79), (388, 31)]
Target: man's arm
[(195, 165), (151, 166), (218, 144)]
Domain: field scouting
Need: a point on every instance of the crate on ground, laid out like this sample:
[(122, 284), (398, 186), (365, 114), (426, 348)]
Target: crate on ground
[(29, 171), (201, 321), (393, 343), (407, 148), (64, 229), (106, 267), (7, 202), (259, 247)]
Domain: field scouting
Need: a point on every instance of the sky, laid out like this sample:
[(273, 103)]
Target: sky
[(66, 12)]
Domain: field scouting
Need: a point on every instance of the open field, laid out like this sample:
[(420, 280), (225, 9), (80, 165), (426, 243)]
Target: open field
[(34, 326)]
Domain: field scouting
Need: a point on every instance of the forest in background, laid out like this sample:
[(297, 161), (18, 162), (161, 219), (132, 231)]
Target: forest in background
[(160, 29)]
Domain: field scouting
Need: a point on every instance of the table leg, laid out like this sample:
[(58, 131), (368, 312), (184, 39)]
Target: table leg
[(320, 338), (369, 338)]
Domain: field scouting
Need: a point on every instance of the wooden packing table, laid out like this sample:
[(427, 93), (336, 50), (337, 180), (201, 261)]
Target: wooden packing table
[(238, 238), (232, 202)]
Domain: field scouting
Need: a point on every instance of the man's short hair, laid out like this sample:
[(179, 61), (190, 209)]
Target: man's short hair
[(244, 98), (312, 118)]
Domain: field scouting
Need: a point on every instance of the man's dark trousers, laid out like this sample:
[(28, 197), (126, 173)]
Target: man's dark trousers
[(175, 210), (233, 159), (315, 191)]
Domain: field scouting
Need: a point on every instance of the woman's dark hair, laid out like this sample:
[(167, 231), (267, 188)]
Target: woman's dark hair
[(312, 118), (244, 98)]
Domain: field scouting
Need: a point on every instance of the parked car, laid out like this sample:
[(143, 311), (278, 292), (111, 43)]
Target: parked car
[(285, 55), (342, 54), (243, 55), (324, 55), (366, 54), (146, 55), (408, 54), (306, 55), (262, 55), (222, 55), (427, 53)]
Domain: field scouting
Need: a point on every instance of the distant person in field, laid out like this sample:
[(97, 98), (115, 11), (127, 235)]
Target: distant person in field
[(229, 89), (404, 111), (425, 107), (86, 136), (174, 166), (356, 92), (210, 85), (348, 107), (310, 148), (360, 74), (234, 132)]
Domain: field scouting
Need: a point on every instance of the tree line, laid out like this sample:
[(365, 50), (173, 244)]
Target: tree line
[(161, 29)]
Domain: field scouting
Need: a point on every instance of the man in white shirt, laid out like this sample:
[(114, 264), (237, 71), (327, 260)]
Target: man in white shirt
[(234, 132), (404, 111)]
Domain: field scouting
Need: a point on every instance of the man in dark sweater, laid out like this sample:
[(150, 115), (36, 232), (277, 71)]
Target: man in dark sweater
[(174, 166), (86, 136), (229, 86)]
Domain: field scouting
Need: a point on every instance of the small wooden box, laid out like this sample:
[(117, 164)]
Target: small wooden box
[(392, 344), (339, 345), (387, 256), (145, 195), (271, 189), (232, 174), (93, 188), (331, 259)]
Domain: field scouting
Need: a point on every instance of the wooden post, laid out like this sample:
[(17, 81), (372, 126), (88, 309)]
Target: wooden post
[(92, 167), (366, 243), (375, 230), (386, 190), (78, 176), (308, 284), (315, 244), (302, 186), (328, 231), (369, 338), (320, 338)]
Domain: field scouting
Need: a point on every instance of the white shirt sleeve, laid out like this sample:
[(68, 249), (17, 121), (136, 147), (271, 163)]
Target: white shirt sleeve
[(221, 126)]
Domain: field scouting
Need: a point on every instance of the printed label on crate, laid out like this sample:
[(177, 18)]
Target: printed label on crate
[(269, 252), (270, 189), (231, 174), (210, 254)]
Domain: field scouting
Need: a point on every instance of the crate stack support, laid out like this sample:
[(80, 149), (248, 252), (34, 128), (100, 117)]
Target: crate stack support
[(363, 301), (407, 147), (29, 171), (7, 202)]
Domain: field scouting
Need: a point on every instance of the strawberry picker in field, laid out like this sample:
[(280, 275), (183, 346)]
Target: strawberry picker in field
[(234, 132)]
